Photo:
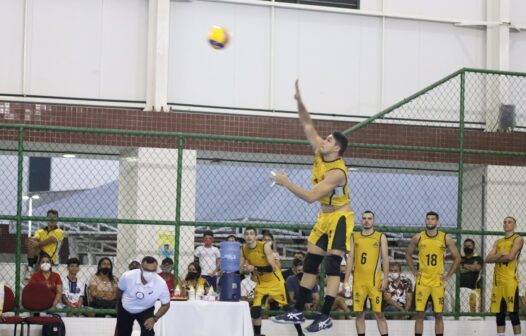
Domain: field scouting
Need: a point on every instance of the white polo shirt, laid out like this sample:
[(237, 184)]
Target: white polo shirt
[(137, 297)]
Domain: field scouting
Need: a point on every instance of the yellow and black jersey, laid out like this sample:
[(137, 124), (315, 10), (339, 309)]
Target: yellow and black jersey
[(256, 257), (431, 253), (506, 273), (338, 196), (367, 259)]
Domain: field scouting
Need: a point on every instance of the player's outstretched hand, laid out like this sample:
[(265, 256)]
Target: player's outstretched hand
[(279, 177), (297, 94)]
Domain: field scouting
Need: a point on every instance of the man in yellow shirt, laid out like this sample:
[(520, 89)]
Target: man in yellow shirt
[(505, 292), (330, 237), (430, 277), (45, 241)]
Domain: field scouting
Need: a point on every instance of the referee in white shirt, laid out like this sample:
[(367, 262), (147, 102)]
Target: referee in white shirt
[(139, 289)]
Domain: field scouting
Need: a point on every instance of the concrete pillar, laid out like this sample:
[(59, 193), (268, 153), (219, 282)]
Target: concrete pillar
[(157, 55), (147, 190), (497, 58)]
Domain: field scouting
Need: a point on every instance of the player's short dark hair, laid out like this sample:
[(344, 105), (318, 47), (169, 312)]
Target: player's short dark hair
[(73, 261), (149, 260), (469, 240), (512, 218), (432, 213), (300, 252), (52, 212), (369, 212), (341, 140), (167, 261), (248, 228), (208, 233)]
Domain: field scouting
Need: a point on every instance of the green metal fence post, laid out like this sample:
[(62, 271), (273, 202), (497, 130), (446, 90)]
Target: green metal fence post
[(460, 185), (180, 145), (19, 195)]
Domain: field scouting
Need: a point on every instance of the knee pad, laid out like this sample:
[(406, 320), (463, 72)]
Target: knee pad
[(312, 262), (332, 265), (255, 312), (501, 319), (514, 317)]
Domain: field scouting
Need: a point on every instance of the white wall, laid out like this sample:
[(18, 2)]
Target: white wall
[(82, 48), (349, 64)]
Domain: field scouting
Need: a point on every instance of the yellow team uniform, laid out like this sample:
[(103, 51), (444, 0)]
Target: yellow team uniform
[(268, 283), (334, 229), (505, 279), (52, 248), (367, 274), (431, 252)]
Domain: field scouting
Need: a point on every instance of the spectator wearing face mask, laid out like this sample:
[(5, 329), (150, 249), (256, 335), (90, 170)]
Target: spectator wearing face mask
[(103, 286), (293, 287), (209, 259), (399, 293), (167, 269), (470, 266), (51, 279), (193, 279)]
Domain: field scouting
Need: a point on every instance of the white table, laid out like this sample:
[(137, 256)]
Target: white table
[(203, 318)]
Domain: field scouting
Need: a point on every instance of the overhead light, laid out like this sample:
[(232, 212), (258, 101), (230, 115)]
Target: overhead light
[(68, 156), (351, 169), (26, 197)]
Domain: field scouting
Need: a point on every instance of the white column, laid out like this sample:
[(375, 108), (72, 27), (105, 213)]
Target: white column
[(148, 190), (497, 58), (157, 55)]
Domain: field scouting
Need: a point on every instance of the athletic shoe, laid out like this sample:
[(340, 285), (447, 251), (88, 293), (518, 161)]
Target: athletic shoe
[(320, 323), (293, 316)]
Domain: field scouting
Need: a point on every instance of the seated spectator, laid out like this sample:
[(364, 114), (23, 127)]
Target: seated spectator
[(134, 264), (399, 293), (296, 265), (73, 296), (167, 268), (231, 238), (209, 259), (194, 279), (293, 289), (290, 271), (102, 286), (51, 279), (470, 266), (45, 241), (248, 284)]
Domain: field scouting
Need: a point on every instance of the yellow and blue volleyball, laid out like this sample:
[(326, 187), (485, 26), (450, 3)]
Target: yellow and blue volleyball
[(218, 37)]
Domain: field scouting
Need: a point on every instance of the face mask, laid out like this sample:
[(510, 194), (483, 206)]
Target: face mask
[(105, 270), (394, 276), (148, 276), (208, 242), (45, 267), (468, 250), (191, 276), (166, 269)]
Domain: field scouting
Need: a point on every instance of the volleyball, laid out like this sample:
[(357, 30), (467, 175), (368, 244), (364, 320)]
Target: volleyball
[(218, 37)]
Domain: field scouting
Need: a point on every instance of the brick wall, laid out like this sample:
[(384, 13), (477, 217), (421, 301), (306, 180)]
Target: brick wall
[(236, 125)]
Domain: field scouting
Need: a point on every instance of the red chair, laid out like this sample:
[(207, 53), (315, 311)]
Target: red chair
[(9, 305), (38, 297)]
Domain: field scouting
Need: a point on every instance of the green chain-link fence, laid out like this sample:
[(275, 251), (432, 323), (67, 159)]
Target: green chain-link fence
[(127, 194)]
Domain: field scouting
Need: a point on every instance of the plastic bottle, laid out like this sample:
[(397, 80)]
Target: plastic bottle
[(177, 291), (191, 293), (199, 293)]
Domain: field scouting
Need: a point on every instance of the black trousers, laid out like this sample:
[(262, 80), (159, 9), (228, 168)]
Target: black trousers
[(125, 321)]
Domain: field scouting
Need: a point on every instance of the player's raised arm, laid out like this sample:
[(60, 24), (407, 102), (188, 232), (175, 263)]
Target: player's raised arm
[(306, 121)]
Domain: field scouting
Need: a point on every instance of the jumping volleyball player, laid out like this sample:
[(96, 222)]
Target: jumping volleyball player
[(331, 234)]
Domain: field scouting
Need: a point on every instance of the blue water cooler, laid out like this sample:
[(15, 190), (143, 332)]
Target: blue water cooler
[(230, 282)]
